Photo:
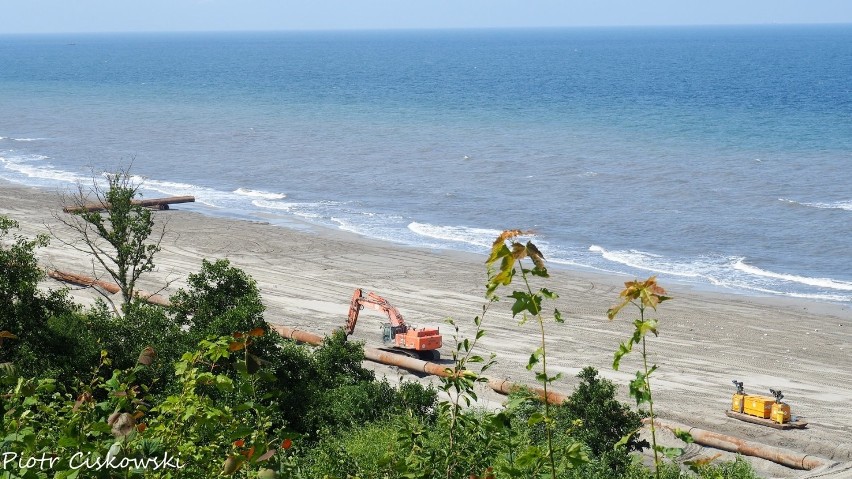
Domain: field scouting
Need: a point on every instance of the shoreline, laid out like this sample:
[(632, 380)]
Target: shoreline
[(306, 278)]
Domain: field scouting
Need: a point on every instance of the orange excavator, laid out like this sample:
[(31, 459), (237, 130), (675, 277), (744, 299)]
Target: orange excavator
[(398, 336)]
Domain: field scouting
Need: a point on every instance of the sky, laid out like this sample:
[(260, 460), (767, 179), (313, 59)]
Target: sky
[(79, 16)]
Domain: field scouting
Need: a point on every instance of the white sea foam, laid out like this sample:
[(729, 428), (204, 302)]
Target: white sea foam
[(204, 195), (474, 236), (26, 139), (259, 194), (274, 205), (310, 210), (31, 167), (838, 205), (829, 283), (381, 226), (346, 225)]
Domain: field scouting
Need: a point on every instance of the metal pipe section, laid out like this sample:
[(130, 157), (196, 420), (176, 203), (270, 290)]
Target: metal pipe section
[(83, 280), (405, 362), (152, 298), (160, 203), (297, 335), (112, 288), (504, 386), (785, 457)]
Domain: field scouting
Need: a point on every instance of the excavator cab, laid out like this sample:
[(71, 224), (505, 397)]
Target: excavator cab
[(389, 334)]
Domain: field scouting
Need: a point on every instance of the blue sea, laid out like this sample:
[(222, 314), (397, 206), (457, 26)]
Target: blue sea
[(720, 157)]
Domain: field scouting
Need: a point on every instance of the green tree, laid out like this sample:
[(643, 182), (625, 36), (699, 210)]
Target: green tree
[(117, 232)]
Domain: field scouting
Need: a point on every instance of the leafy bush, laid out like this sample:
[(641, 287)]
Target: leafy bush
[(605, 419), (328, 390), (45, 323), (360, 452), (219, 300)]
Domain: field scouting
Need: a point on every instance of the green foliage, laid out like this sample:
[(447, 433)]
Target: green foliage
[(464, 442), (590, 417), (328, 390), (339, 361), (115, 416), (528, 303), (219, 299), (360, 452), (459, 386), (738, 469), (479, 443), (642, 295), (605, 419), (45, 324)]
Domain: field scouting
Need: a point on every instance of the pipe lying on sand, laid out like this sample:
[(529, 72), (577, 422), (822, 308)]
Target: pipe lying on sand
[(159, 203), (83, 280), (504, 386), (112, 288), (297, 335), (785, 457), (152, 298)]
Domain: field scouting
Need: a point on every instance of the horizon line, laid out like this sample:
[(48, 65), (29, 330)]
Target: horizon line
[(426, 29)]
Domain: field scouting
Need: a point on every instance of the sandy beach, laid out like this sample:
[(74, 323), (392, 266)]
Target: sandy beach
[(707, 339)]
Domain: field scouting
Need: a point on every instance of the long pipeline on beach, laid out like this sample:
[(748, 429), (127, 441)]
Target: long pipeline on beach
[(784, 457)]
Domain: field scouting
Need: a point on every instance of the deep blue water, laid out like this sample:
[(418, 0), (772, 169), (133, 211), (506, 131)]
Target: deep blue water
[(716, 156)]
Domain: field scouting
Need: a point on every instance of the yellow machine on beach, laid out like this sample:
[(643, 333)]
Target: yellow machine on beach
[(768, 411)]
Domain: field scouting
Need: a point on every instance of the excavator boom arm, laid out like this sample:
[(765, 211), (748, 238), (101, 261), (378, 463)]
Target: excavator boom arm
[(375, 302)]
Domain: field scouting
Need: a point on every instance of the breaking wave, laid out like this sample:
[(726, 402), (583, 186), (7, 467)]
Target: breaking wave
[(473, 236), (827, 283), (259, 194), (21, 139), (727, 272), (32, 169)]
